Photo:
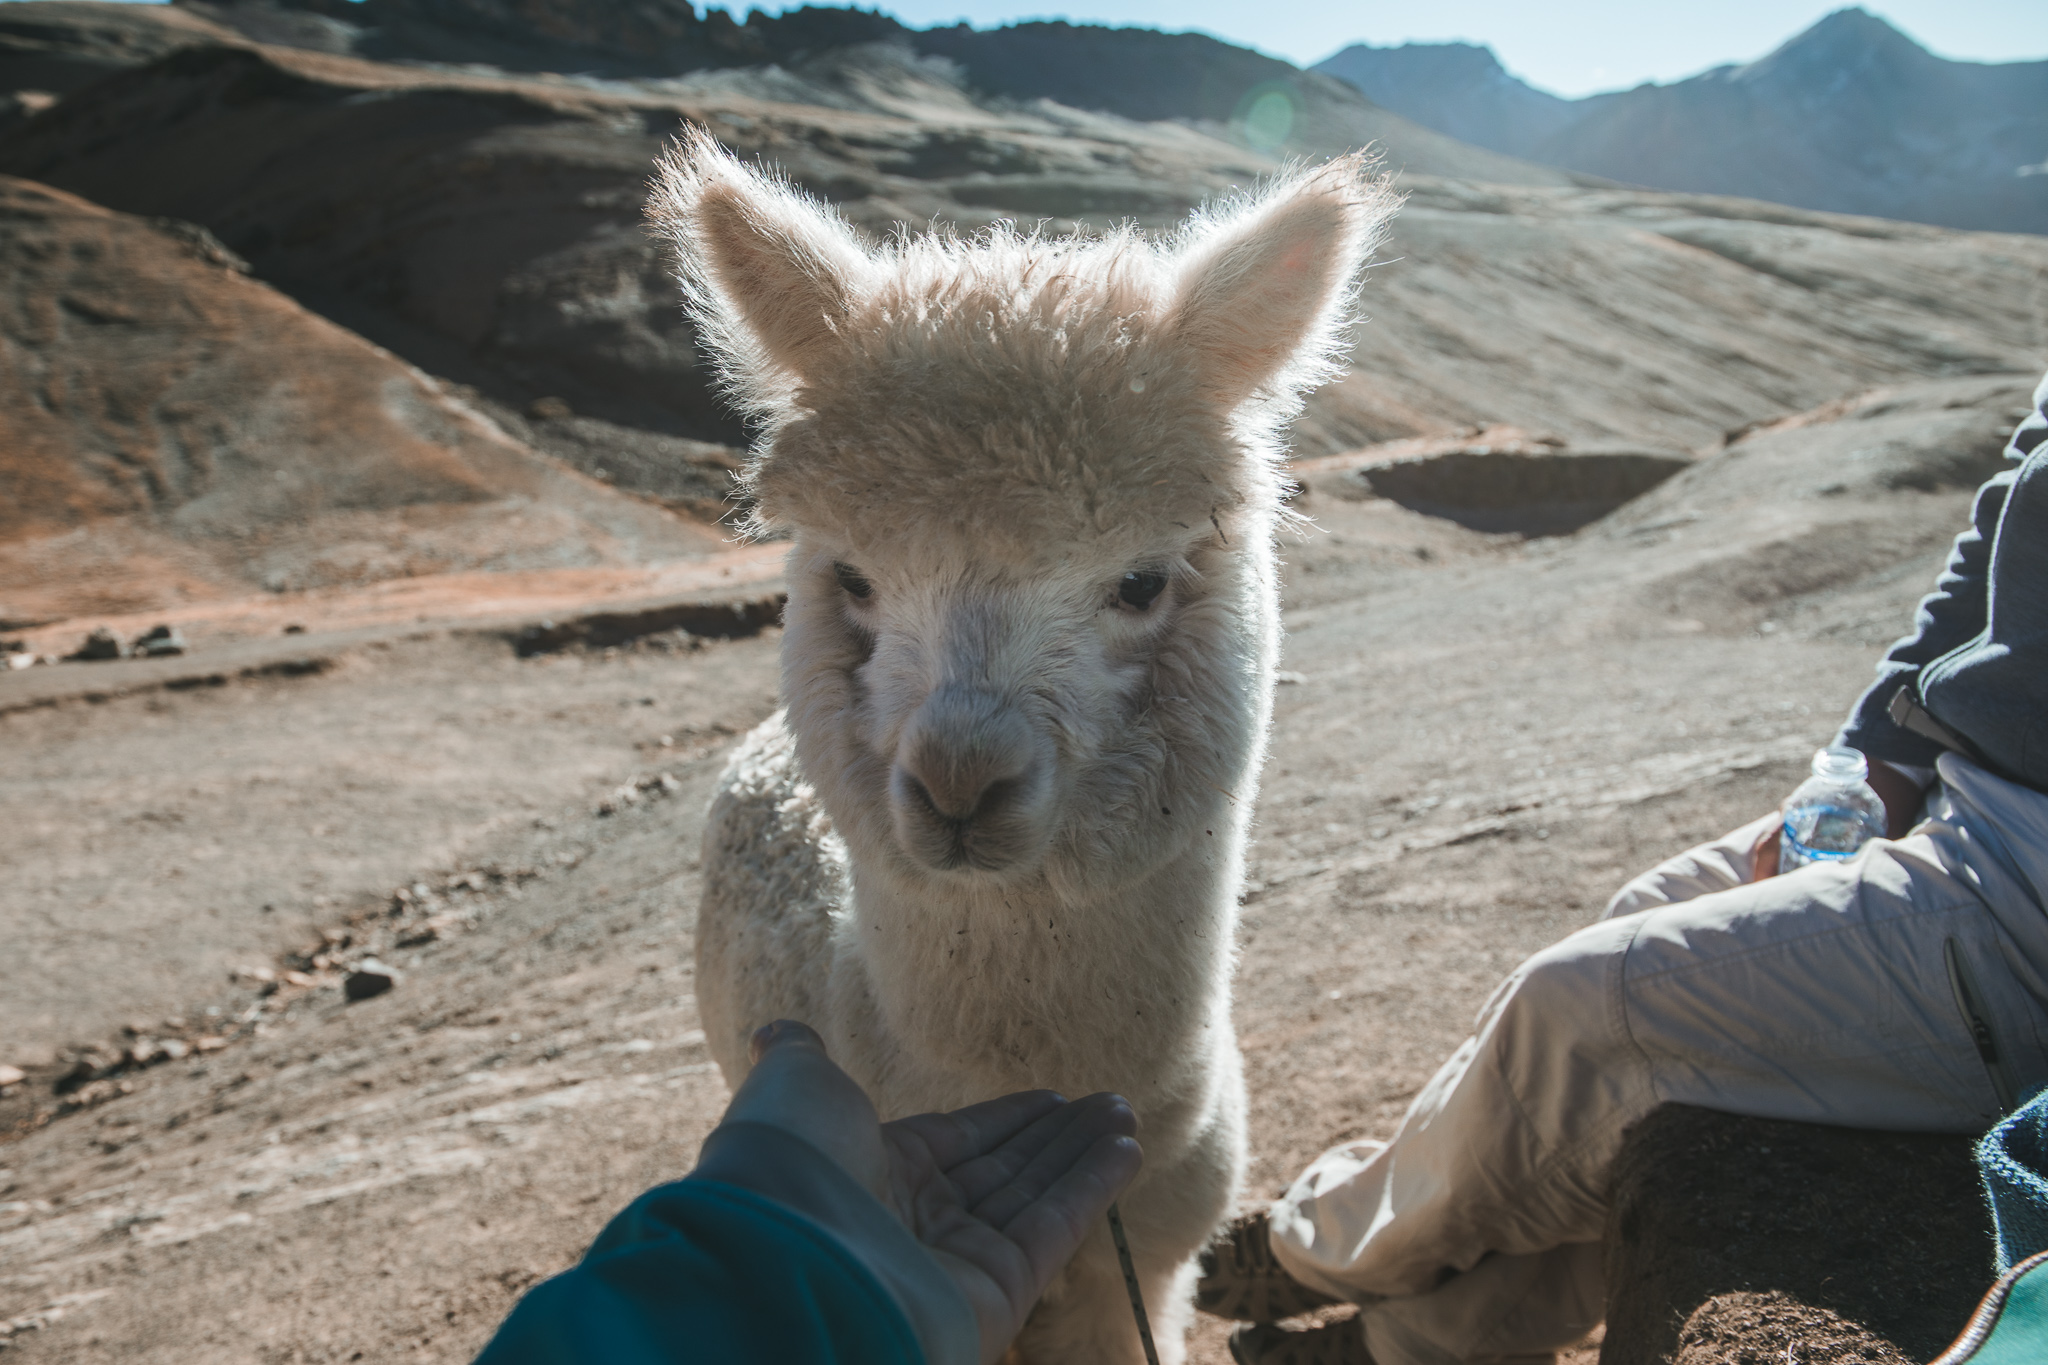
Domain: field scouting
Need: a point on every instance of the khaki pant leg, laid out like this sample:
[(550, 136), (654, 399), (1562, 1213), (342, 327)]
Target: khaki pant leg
[(1822, 995), (1721, 865)]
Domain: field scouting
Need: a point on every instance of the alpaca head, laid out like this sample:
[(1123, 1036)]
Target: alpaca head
[(1033, 485)]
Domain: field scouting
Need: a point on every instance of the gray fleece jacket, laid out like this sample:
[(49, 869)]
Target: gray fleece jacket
[(1976, 663)]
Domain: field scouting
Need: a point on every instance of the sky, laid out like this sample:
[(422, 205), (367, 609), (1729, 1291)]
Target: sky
[(1568, 47)]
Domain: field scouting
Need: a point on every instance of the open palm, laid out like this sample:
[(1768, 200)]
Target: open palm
[(1000, 1193)]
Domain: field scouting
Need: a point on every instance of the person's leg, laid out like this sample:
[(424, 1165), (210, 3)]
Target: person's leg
[(1719, 865), (1823, 996)]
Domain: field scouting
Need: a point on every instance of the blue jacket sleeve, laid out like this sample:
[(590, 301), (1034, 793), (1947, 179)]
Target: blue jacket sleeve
[(704, 1271), (1956, 613)]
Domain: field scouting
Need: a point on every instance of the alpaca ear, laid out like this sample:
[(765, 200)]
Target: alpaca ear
[(1263, 292), (770, 274)]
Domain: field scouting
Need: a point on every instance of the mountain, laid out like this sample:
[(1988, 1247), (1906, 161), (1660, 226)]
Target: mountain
[(487, 228), (171, 429), (1850, 116), (484, 227), (1456, 88), (55, 48)]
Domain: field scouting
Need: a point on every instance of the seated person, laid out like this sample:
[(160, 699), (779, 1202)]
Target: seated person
[(1904, 989), (811, 1234)]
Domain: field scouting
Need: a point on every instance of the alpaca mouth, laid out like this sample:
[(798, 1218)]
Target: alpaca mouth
[(997, 833)]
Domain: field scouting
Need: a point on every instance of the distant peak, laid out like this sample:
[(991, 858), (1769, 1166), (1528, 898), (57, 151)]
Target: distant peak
[(1455, 52), (1451, 62), (1848, 30)]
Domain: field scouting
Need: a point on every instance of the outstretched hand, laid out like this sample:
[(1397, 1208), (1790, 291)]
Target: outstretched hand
[(1001, 1194)]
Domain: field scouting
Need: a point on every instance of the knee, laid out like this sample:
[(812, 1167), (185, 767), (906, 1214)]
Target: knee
[(1562, 1002)]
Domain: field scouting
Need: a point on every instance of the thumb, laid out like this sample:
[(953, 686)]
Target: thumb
[(796, 1086)]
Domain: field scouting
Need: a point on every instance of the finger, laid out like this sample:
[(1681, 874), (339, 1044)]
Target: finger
[(974, 1179), (1051, 1228), (783, 1032), (998, 1187), (796, 1087), (1764, 862), (978, 1129)]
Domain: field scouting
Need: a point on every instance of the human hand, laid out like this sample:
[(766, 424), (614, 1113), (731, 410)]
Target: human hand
[(1764, 857), (1000, 1194)]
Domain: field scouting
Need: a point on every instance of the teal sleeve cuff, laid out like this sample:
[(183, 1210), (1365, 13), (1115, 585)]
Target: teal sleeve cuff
[(704, 1271), (775, 1163)]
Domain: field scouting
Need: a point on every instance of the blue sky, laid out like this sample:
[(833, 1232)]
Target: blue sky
[(1569, 47)]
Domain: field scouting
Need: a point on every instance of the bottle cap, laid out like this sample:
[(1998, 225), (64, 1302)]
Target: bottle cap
[(1840, 764)]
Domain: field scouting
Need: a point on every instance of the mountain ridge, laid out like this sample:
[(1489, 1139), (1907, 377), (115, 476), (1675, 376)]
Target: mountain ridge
[(1849, 116)]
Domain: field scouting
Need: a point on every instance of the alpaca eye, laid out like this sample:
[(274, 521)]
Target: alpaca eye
[(854, 584), (1138, 589)]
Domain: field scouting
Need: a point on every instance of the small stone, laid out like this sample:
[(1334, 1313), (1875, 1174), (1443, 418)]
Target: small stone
[(295, 629), (297, 979), (370, 978), (548, 409), (175, 1049), (11, 1075), (102, 644), (211, 1042), (161, 642)]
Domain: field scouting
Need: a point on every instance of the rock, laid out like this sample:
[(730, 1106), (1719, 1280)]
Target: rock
[(160, 642), (1735, 1239), (297, 979), (604, 629), (99, 646), (370, 978), (11, 1075)]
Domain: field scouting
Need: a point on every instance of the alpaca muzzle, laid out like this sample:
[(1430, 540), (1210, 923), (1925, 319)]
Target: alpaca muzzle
[(972, 784)]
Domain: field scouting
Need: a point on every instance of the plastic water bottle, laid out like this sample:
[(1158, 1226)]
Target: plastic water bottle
[(1833, 813)]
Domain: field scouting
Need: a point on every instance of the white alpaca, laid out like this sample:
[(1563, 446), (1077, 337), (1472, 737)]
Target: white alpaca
[(995, 840)]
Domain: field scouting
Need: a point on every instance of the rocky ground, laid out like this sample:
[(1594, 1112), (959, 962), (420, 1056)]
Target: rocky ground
[(1481, 735)]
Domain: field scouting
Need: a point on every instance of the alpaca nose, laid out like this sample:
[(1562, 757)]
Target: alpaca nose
[(969, 782)]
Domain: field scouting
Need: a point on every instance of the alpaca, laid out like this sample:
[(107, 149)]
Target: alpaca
[(995, 838)]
